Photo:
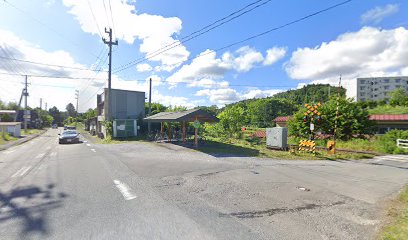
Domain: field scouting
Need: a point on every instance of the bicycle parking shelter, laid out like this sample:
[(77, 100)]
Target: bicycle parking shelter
[(197, 116)]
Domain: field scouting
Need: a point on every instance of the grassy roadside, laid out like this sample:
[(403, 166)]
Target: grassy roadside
[(398, 225), (6, 139), (242, 147), (30, 131)]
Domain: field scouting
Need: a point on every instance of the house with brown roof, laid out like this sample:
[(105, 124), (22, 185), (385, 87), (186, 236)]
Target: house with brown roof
[(383, 122), (282, 121), (387, 122)]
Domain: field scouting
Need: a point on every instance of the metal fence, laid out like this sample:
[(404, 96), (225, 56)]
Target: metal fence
[(402, 143)]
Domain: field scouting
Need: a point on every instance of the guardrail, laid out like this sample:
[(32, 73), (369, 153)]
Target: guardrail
[(402, 143)]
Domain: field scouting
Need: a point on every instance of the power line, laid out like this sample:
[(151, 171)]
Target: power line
[(248, 38), (46, 76), (111, 14), (46, 64), (201, 31), (94, 18), (25, 13), (106, 13)]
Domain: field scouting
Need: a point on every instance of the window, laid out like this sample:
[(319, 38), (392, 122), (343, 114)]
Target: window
[(362, 81), (362, 94), (397, 86), (362, 88), (386, 81), (398, 80), (386, 87)]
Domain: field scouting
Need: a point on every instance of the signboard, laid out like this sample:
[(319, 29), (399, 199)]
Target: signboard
[(311, 127), (196, 124)]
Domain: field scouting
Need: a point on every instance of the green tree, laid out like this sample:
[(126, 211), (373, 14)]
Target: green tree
[(262, 111), (353, 120), (156, 108), (398, 97), (232, 119), (71, 110), (56, 115)]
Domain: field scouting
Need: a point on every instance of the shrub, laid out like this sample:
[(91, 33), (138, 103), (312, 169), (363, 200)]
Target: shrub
[(388, 142)]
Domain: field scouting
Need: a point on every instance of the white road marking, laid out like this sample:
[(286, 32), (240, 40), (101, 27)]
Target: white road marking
[(93, 150), (9, 151), (88, 144), (48, 148), (53, 154), (21, 172), (85, 141), (40, 155), (125, 190), (25, 170)]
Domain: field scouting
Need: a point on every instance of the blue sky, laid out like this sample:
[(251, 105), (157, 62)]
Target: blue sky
[(357, 39)]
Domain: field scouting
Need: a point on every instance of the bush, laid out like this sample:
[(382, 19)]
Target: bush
[(388, 141)]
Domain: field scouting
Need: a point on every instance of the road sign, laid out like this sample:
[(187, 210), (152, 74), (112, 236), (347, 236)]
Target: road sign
[(311, 127), (196, 124)]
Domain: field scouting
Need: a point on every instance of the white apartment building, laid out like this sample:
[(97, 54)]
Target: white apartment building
[(377, 88)]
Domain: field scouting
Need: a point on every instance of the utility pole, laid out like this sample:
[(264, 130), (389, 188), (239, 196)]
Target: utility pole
[(76, 97), (150, 104), (109, 43), (25, 102), (39, 113), (46, 107)]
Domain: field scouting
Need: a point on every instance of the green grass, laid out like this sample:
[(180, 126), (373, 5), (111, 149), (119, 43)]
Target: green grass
[(387, 109), (241, 147), (29, 131), (398, 227), (7, 138)]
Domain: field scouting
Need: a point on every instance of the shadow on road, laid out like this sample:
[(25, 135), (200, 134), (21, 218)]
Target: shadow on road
[(219, 149), (30, 204)]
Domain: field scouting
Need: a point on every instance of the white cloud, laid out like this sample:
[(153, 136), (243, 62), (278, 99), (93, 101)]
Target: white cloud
[(273, 55), (153, 30), (368, 52), (258, 93), (219, 96), (172, 100), (208, 70), (205, 67), (377, 14), (244, 58), (143, 67), (209, 83)]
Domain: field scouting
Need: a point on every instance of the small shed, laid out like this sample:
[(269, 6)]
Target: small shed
[(387, 122), (194, 115), (282, 121), (12, 128), (12, 114)]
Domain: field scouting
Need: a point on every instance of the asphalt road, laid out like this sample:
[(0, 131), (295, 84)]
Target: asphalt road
[(164, 191)]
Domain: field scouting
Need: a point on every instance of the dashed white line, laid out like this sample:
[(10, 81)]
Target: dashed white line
[(25, 170), (53, 154), (85, 141), (40, 155), (93, 150), (21, 171), (125, 190), (9, 151), (88, 144), (48, 148)]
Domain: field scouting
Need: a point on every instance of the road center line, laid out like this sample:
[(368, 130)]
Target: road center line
[(21, 171), (125, 190), (88, 144), (93, 150), (25, 170), (53, 154), (40, 155)]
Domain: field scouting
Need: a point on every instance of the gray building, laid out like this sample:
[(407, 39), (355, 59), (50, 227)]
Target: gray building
[(378, 88), (126, 105)]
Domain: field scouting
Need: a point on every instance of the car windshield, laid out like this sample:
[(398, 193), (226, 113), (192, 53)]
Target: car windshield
[(69, 132)]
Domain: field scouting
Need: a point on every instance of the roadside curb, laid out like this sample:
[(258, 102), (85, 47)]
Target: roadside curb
[(21, 141)]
